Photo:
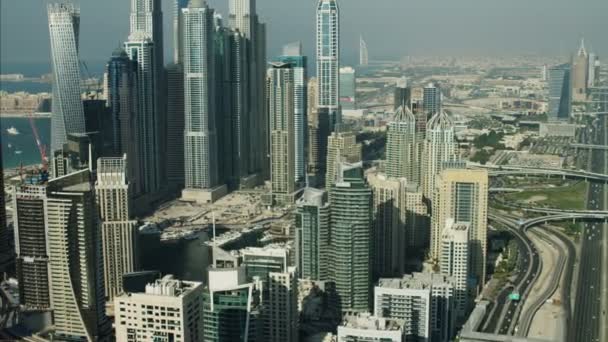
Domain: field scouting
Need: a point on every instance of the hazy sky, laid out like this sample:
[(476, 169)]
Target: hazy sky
[(392, 28)]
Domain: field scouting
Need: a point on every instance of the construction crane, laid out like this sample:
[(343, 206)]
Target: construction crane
[(41, 147)]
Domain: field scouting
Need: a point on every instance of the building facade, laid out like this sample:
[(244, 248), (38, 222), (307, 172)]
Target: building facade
[(462, 195), (175, 128), (431, 102), (168, 310), (341, 147), (439, 147), (312, 234), (283, 306), (401, 157), (118, 230), (580, 74), (350, 201), (365, 327), (455, 262), (560, 93), (328, 60)]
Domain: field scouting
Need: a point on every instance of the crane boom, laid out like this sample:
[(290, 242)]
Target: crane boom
[(41, 147)]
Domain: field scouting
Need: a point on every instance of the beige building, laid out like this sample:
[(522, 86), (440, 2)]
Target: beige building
[(580, 74), (341, 147), (168, 310), (439, 147), (455, 261), (401, 156), (313, 128), (462, 195), (118, 231)]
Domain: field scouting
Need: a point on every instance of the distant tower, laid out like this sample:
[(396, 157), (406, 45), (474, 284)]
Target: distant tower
[(200, 133), (282, 131), (328, 60), (462, 195), (455, 261), (178, 5), (118, 231), (68, 112), (580, 74), (560, 95), (431, 103), (363, 52), (351, 241), (594, 70), (401, 158), (440, 147), (312, 234), (292, 54), (402, 95)]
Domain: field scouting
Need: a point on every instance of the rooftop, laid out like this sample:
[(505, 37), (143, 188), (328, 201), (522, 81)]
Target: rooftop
[(366, 321), (415, 281), (170, 287)]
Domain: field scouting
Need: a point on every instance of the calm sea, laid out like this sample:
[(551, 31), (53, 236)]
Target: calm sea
[(22, 148)]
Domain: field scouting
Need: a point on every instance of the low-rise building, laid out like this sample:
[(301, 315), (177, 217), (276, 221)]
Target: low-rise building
[(365, 327)]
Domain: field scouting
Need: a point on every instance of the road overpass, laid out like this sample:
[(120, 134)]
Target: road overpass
[(504, 170)]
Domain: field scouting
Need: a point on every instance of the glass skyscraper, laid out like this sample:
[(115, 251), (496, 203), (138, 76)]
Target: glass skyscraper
[(68, 112), (560, 95), (328, 59)]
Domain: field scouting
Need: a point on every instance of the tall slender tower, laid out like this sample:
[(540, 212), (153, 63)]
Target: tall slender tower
[(351, 238), (292, 54), (363, 52), (312, 235), (282, 131), (462, 195), (175, 127), (145, 46), (560, 92), (455, 261), (401, 155), (68, 112), (580, 73), (440, 147), (200, 141), (122, 99), (328, 60), (5, 247), (118, 232), (431, 103), (178, 5)]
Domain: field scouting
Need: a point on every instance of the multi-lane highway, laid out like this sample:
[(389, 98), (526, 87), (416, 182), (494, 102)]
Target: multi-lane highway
[(504, 315), (589, 316)]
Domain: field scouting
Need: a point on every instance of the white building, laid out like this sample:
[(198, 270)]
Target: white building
[(328, 58), (455, 261), (168, 310), (118, 232), (368, 328), (439, 147), (425, 301)]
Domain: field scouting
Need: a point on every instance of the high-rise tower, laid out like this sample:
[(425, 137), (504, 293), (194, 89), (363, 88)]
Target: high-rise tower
[(282, 131), (431, 102), (118, 231), (363, 52), (455, 261), (440, 147), (351, 238), (312, 235), (6, 252), (200, 89), (68, 112), (341, 147), (401, 157), (560, 92), (462, 195), (328, 60), (580, 74)]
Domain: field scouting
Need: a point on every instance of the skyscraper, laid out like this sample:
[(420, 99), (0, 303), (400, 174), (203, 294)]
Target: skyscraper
[(292, 54), (580, 74), (243, 18), (178, 302), (200, 140), (402, 95), (560, 95), (118, 231), (389, 214), (431, 103), (363, 52), (351, 238), (312, 235), (401, 157), (462, 195), (439, 147), (283, 306), (594, 70), (68, 112), (318, 132), (30, 203), (328, 61), (5, 247), (348, 88), (175, 128), (455, 261), (75, 265), (145, 46), (282, 131), (341, 147), (122, 101), (178, 5)]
